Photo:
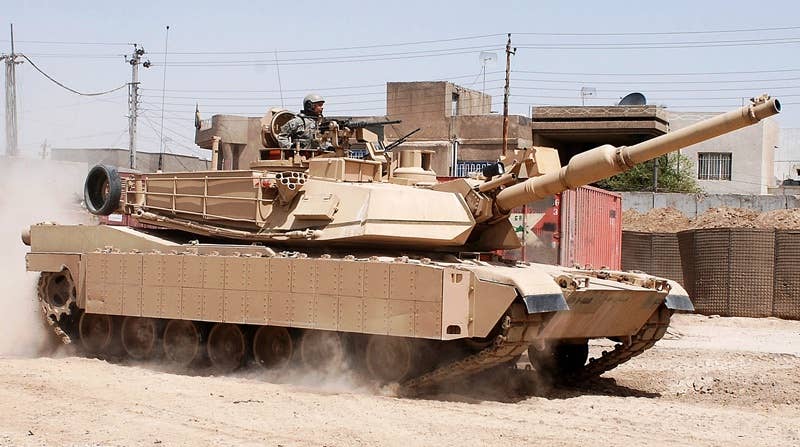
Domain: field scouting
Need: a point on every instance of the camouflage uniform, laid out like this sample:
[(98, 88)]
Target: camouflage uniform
[(302, 129)]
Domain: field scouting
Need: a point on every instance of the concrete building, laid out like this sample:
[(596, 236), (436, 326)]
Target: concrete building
[(456, 122), (741, 162), (787, 155)]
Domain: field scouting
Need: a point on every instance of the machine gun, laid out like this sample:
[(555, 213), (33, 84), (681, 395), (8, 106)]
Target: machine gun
[(353, 124), (401, 140)]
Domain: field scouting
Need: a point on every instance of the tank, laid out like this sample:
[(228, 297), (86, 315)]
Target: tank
[(317, 258)]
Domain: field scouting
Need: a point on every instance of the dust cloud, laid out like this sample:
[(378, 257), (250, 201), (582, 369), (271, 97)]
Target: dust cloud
[(31, 191)]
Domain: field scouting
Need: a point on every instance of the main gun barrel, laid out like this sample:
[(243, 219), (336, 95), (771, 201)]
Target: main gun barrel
[(606, 161)]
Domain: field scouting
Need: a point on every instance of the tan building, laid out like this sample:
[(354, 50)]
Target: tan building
[(456, 122)]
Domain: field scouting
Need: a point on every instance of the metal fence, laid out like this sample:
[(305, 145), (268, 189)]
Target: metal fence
[(463, 168)]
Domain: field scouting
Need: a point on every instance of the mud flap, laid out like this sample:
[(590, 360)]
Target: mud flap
[(678, 298), (550, 302), (679, 302)]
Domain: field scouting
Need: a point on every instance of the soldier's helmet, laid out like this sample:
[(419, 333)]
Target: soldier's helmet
[(309, 100)]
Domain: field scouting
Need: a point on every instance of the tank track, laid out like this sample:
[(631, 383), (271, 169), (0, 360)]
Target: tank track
[(516, 338), (518, 330), (647, 336)]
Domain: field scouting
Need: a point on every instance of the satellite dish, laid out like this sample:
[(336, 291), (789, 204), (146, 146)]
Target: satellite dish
[(633, 99)]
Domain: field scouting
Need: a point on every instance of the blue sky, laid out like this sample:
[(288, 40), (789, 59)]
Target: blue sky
[(698, 56)]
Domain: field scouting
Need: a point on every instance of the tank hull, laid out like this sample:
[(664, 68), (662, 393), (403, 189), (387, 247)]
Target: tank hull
[(472, 314)]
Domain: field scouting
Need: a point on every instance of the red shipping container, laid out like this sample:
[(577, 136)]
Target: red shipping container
[(581, 227)]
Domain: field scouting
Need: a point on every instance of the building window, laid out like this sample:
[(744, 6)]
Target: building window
[(714, 166), (454, 105)]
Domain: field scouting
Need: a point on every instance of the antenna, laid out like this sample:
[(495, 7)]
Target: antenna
[(278, 69), (163, 92), (485, 57), (587, 91)]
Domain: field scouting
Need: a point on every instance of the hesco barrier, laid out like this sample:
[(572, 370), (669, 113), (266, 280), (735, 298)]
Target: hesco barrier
[(654, 253), (786, 296), (729, 271)]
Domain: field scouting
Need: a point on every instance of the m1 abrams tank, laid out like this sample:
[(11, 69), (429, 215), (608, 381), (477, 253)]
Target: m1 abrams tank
[(314, 257)]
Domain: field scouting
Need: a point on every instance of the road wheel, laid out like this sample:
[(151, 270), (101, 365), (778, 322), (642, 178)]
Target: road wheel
[(226, 346), (322, 350), (272, 347), (182, 342), (139, 337), (389, 359), (96, 331)]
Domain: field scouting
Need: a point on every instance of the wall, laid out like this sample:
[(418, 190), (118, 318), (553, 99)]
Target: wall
[(693, 204), (752, 154)]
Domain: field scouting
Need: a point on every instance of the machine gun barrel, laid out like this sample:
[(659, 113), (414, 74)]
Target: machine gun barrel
[(606, 161), (353, 124), (401, 140)]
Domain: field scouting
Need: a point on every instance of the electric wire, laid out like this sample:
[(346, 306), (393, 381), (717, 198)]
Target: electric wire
[(67, 88)]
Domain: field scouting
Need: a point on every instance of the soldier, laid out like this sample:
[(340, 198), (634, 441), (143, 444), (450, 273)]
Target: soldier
[(302, 128)]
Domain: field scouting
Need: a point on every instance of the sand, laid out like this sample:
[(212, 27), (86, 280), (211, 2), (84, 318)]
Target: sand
[(711, 381)]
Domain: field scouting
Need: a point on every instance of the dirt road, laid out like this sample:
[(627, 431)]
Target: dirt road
[(712, 381)]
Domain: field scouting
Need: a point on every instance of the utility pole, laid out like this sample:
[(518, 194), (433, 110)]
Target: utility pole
[(509, 52), (133, 99), (44, 154), (11, 99)]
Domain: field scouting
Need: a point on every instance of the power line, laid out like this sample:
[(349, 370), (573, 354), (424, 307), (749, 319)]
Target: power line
[(344, 60), (629, 81), (649, 46), (363, 47), (696, 73), (67, 88), (56, 42), (666, 33)]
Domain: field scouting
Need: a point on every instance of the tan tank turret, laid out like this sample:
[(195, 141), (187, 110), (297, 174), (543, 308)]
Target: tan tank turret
[(311, 256)]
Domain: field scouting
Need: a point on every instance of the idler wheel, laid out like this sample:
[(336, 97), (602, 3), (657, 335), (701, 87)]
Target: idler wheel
[(389, 359), (96, 331), (272, 347), (56, 293), (322, 350), (226, 346), (102, 190), (139, 337), (182, 342)]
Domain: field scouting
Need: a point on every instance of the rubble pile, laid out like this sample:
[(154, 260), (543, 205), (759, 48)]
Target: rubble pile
[(780, 219), (657, 220), (670, 220), (725, 218)]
